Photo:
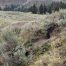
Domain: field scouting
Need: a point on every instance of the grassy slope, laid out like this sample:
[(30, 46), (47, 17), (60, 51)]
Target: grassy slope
[(29, 24)]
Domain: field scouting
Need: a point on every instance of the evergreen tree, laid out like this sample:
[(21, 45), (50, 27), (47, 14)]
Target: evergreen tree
[(6, 8), (41, 10), (56, 6), (30, 9), (10, 7), (34, 9), (53, 6), (49, 9), (0, 8), (45, 9), (13, 7)]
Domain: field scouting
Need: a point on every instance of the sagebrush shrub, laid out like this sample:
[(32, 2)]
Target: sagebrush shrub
[(41, 50)]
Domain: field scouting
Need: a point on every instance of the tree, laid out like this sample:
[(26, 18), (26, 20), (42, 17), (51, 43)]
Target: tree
[(0, 8), (34, 9), (55, 6), (41, 10), (6, 8), (30, 9), (49, 9), (10, 7), (62, 5), (45, 9), (13, 7)]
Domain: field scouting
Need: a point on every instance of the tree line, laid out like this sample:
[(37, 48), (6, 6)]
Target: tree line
[(42, 9)]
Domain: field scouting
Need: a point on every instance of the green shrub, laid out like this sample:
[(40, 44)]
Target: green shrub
[(21, 53), (17, 30), (64, 63), (46, 47), (13, 47), (10, 39), (41, 50), (28, 44), (1, 65), (57, 64), (62, 23)]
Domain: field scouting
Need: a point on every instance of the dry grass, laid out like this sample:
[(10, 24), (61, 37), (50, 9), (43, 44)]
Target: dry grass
[(24, 26)]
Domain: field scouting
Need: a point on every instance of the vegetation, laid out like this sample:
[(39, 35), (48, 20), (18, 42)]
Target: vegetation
[(41, 50), (45, 9), (34, 9), (42, 9), (32, 39)]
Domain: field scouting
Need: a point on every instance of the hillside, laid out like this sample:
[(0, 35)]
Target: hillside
[(32, 40), (20, 2), (8, 2)]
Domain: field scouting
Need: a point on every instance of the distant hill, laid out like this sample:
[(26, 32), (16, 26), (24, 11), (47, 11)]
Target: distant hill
[(8, 2), (64, 1), (27, 2), (38, 2)]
